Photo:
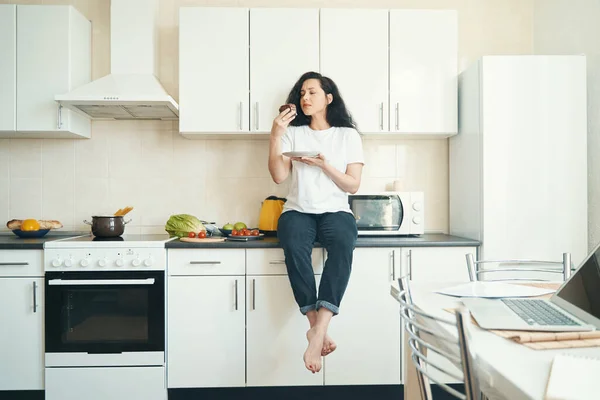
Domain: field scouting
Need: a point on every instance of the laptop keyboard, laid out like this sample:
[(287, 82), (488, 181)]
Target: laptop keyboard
[(538, 312)]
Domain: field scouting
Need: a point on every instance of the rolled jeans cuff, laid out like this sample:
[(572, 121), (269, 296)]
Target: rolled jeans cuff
[(325, 304), (308, 308)]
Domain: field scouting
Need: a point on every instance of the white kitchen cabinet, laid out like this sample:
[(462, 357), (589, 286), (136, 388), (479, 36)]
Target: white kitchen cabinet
[(206, 331), (278, 57), (367, 329), (436, 264), (354, 53), (22, 316), (423, 71), (8, 67), (272, 261), (53, 56), (214, 67), (276, 335)]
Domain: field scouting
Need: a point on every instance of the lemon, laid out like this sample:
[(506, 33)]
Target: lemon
[(30, 225)]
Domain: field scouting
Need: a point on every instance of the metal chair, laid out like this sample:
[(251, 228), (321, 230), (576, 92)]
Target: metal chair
[(476, 268), (423, 339)]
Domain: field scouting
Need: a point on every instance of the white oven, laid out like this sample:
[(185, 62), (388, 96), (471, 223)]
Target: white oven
[(388, 213)]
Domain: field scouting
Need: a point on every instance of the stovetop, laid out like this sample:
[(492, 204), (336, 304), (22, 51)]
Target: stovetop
[(124, 241)]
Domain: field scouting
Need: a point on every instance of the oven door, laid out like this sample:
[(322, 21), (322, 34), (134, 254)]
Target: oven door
[(105, 318), (377, 214)]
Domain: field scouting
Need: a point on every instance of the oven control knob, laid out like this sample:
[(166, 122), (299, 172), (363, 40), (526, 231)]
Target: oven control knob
[(119, 262), (69, 262), (148, 262), (102, 262), (136, 262), (85, 262), (416, 220), (57, 262), (417, 206)]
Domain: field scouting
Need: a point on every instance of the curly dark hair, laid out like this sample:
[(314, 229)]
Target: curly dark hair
[(336, 113)]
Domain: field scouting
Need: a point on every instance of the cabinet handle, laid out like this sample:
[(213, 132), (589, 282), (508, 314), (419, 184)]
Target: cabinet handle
[(236, 295), (381, 116), (59, 117), (254, 294), (393, 265), (256, 123), (205, 262), (277, 262), (397, 116), (16, 263), (409, 256), (34, 296), (241, 107)]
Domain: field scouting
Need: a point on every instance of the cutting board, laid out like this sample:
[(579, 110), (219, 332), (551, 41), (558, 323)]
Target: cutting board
[(201, 240)]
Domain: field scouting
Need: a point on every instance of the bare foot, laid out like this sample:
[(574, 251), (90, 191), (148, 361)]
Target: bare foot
[(329, 346), (312, 355)]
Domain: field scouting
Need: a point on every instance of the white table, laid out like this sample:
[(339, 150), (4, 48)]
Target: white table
[(507, 370)]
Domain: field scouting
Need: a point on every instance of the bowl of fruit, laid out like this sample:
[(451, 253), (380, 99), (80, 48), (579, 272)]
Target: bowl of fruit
[(227, 229), (32, 228)]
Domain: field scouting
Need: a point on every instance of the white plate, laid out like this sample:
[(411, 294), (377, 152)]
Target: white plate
[(301, 153)]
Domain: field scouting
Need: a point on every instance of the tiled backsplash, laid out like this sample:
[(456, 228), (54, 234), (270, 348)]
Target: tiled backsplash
[(148, 165)]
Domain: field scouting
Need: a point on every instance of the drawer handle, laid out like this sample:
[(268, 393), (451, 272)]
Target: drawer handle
[(277, 262), (236, 295), (8, 264), (205, 262), (34, 296)]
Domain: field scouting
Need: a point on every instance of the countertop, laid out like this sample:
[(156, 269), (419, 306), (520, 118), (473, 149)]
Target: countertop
[(427, 240), (10, 241)]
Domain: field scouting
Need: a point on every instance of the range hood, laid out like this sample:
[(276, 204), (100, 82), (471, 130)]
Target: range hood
[(131, 90)]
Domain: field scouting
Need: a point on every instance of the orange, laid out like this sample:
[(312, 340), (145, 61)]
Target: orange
[(30, 225)]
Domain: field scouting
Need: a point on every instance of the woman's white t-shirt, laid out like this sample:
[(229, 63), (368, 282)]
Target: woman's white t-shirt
[(311, 191)]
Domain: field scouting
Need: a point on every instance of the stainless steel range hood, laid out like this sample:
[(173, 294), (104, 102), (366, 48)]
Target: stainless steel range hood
[(131, 90)]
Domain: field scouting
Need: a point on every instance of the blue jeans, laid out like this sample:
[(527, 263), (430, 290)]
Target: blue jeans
[(297, 233)]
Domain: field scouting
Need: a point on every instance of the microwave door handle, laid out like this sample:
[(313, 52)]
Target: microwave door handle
[(109, 282)]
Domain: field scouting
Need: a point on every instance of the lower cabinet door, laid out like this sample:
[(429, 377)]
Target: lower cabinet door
[(276, 335), (367, 329), (21, 335), (206, 331)]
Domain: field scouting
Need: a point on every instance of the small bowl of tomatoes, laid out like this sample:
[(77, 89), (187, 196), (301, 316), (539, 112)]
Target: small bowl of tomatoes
[(245, 232)]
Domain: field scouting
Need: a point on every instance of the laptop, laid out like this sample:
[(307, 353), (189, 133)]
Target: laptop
[(575, 306)]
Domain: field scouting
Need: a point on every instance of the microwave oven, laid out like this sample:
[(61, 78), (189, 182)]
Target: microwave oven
[(388, 213)]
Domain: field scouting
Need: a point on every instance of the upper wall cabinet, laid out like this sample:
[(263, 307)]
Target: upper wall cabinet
[(354, 53), (237, 66), (423, 71), (214, 67), (46, 51), (284, 44), (8, 65), (396, 69)]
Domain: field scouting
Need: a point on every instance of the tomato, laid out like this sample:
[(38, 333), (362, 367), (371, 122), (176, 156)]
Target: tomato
[(254, 232), (234, 233), (202, 234), (191, 235), (245, 232)]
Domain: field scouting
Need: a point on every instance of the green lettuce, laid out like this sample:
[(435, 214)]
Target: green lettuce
[(181, 224)]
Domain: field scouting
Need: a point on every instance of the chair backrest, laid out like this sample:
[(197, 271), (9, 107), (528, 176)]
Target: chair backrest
[(425, 335), (478, 268)]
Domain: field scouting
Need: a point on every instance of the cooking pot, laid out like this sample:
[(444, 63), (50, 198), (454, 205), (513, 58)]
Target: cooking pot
[(107, 226)]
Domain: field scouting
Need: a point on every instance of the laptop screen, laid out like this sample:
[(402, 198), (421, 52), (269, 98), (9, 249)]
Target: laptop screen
[(582, 290)]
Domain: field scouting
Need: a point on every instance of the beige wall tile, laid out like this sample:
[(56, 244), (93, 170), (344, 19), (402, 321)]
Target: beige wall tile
[(25, 198), (91, 156), (91, 198), (4, 158), (5, 201), (58, 159), (58, 196), (25, 158)]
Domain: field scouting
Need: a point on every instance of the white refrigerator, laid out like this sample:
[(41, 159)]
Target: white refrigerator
[(518, 167)]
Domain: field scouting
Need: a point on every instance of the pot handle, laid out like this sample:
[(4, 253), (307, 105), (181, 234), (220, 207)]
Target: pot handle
[(126, 222), (86, 222)]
